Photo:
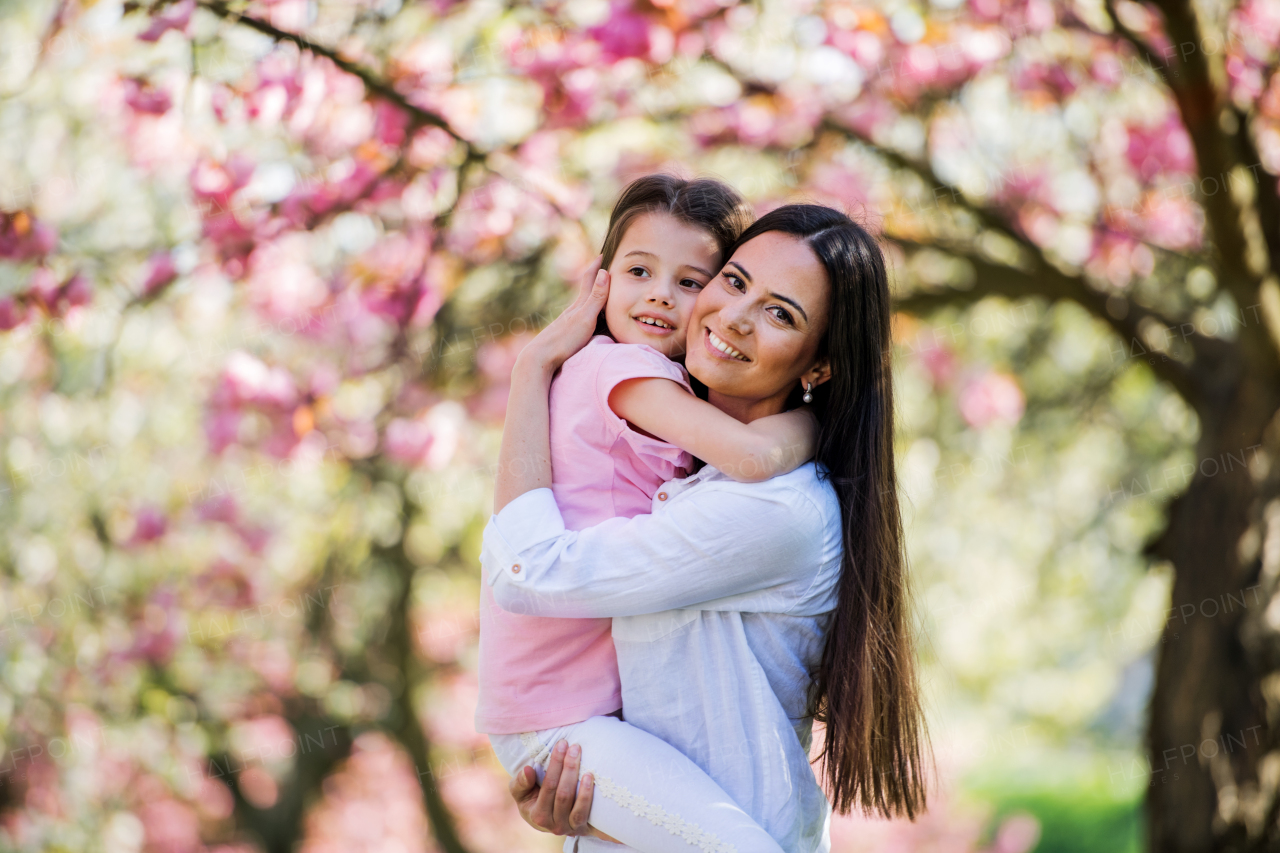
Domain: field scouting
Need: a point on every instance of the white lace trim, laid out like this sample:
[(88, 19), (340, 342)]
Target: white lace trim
[(659, 816), (537, 754)]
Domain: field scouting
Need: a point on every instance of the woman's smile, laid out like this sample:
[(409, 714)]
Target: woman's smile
[(718, 348)]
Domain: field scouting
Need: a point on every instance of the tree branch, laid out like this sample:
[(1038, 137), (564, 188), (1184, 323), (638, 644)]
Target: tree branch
[(1200, 103), (1264, 185), (1154, 62), (371, 80), (993, 279)]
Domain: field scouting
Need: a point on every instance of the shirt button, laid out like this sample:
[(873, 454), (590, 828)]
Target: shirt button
[(662, 496), (516, 568)]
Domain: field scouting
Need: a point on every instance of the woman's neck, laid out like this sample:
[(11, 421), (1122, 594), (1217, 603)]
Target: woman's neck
[(745, 409)]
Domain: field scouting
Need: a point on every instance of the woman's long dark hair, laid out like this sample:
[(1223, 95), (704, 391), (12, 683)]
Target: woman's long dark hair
[(865, 689)]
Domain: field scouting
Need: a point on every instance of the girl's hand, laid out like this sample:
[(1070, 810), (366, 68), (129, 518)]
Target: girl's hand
[(569, 332)]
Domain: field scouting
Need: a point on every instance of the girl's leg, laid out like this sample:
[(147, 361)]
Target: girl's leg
[(649, 796)]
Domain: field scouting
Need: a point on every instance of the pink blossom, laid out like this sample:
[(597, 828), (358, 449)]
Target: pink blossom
[(145, 98), (24, 238), (407, 441), (174, 17), (12, 313), (161, 272), (1162, 148), (267, 738), (941, 364), (1173, 222), (43, 287), (372, 802), (625, 34), (155, 634), (1107, 69), (221, 428), (149, 525), (451, 714), (430, 145), (221, 507), (248, 381), (282, 282), (991, 398), (75, 291), (233, 228), (171, 826), (254, 536), (389, 124), (225, 584), (443, 634), (1018, 833)]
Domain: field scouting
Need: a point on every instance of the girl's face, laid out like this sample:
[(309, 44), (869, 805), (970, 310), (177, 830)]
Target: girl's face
[(654, 280), (755, 330)]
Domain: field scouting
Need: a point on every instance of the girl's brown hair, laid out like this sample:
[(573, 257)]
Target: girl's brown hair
[(704, 203)]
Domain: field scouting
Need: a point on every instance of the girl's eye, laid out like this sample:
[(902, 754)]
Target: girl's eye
[(638, 271), (783, 314), (692, 284)]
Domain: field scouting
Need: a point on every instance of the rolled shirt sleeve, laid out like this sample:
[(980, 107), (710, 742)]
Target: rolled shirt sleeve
[(715, 545)]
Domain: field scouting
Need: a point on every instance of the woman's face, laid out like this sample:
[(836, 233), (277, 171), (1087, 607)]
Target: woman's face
[(755, 328)]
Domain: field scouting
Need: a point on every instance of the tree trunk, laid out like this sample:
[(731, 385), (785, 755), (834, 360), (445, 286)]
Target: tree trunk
[(1209, 728)]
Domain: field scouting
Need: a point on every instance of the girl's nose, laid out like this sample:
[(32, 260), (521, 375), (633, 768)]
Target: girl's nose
[(660, 294)]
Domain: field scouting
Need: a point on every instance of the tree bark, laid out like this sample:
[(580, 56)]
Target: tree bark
[(1208, 726)]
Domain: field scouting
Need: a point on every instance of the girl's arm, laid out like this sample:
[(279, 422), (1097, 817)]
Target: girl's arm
[(748, 453), (524, 460)]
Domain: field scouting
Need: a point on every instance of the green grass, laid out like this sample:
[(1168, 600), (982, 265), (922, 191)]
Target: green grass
[(1080, 810)]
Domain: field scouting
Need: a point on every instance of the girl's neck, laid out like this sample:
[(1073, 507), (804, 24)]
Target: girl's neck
[(746, 409)]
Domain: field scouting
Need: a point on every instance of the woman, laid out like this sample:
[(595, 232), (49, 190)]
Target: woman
[(743, 611)]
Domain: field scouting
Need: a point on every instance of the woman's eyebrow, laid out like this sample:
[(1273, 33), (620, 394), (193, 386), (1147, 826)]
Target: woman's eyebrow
[(792, 303), (786, 299)]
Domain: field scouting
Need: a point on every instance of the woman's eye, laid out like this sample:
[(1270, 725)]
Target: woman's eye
[(783, 315), (734, 281)]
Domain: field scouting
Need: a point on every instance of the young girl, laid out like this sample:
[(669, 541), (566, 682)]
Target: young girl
[(544, 679)]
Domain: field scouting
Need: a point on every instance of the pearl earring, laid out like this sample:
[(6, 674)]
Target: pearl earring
[(808, 393)]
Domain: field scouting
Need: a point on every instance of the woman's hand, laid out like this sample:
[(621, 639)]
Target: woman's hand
[(553, 806), (569, 332)]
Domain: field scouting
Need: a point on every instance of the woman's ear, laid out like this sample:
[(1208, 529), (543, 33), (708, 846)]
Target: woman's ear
[(819, 373)]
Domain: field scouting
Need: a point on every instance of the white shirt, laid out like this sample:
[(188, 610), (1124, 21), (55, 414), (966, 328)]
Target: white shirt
[(720, 599)]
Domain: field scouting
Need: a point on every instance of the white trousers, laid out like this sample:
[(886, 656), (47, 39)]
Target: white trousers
[(648, 795)]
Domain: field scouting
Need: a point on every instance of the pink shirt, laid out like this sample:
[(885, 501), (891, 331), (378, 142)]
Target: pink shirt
[(538, 672)]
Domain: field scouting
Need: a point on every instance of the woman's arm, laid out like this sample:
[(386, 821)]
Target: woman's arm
[(748, 453), (524, 460), (720, 546)]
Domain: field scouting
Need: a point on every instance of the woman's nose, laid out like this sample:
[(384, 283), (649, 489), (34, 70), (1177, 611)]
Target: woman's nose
[(738, 321)]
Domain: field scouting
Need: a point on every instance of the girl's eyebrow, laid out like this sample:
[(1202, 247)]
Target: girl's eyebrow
[(786, 299), (652, 255)]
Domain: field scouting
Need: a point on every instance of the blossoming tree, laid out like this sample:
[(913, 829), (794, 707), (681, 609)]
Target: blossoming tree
[(266, 266)]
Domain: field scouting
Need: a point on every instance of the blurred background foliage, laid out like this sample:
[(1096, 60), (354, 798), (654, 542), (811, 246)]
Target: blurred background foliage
[(265, 267)]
